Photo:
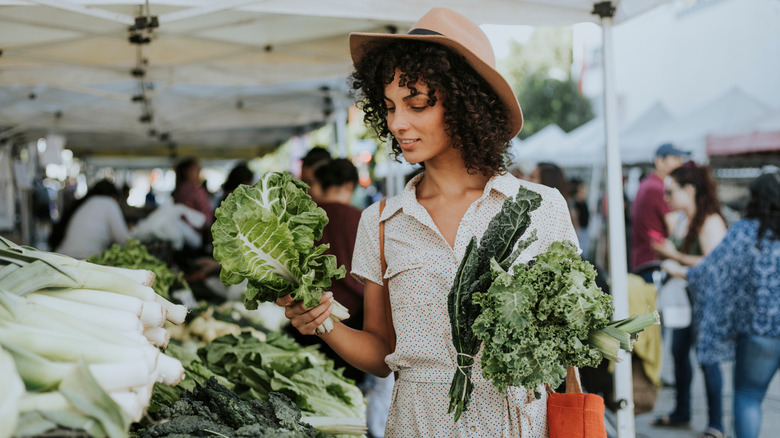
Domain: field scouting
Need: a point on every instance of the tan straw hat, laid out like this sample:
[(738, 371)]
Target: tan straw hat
[(461, 35)]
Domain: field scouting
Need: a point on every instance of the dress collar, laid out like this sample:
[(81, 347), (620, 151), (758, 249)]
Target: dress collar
[(506, 184)]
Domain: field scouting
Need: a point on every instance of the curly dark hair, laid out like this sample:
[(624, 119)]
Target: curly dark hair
[(764, 205), (477, 122), (706, 198)]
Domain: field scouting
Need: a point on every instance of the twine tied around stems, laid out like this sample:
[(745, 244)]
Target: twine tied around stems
[(461, 367)]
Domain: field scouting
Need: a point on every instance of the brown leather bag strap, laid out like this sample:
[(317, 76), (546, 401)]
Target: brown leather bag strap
[(388, 311), (573, 385)]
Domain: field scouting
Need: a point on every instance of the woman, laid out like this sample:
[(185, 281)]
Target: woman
[(91, 224), (691, 190), (189, 190), (550, 175), (435, 94), (741, 278)]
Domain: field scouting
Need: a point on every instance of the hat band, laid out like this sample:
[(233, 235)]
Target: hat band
[(420, 31)]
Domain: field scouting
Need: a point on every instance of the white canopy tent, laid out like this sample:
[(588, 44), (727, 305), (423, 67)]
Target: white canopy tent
[(224, 79), (584, 145), (546, 140), (731, 110), (213, 68), (759, 135), (731, 114), (638, 140)]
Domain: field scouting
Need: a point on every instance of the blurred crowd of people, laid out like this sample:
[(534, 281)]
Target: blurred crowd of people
[(725, 302), (675, 228)]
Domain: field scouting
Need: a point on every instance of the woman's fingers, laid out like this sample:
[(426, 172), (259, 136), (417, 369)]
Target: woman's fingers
[(285, 301), (316, 322), (307, 320)]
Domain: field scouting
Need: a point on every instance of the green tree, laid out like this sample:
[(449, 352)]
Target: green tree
[(540, 73), (548, 100)]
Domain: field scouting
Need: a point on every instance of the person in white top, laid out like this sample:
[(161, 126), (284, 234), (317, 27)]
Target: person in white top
[(436, 96), (92, 224)]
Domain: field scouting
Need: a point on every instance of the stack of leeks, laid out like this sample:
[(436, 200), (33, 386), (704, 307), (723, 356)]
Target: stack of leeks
[(84, 341)]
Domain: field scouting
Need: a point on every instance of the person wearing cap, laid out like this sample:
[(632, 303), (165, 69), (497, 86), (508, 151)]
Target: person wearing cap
[(651, 216), (435, 95)]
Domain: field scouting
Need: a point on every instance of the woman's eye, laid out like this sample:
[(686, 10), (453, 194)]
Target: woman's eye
[(390, 109), (419, 108)]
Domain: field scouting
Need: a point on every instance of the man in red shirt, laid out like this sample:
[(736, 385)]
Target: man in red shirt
[(650, 212)]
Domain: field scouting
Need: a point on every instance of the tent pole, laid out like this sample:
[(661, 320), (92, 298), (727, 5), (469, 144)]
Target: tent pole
[(617, 227)]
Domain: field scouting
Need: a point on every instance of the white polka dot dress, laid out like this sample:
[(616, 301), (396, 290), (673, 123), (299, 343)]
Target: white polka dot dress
[(421, 268)]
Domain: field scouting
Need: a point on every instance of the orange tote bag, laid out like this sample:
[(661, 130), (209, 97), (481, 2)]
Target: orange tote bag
[(573, 414)]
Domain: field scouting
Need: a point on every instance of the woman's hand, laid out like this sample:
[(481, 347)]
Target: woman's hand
[(665, 248), (305, 320), (675, 269)]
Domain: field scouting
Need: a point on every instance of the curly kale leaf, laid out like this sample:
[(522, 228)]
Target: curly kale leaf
[(536, 319), (212, 409)]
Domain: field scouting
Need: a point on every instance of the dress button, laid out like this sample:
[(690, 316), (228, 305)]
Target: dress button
[(473, 428)]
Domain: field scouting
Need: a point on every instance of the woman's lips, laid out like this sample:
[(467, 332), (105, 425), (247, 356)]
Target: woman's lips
[(408, 143)]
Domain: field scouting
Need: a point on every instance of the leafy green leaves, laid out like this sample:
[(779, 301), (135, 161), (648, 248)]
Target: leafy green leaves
[(211, 408), (536, 319), (254, 369), (134, 255), (498, 243), (265, 233)]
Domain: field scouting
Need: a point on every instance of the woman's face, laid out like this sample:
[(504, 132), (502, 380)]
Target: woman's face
[(418, 127), (679, 198), (193, 173)]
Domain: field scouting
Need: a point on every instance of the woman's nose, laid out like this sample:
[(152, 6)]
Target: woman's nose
[(397, 121)]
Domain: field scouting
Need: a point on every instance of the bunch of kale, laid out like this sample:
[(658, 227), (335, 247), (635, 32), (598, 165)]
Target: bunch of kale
[(474, 275), (213, 410), (534, 319), (537, 319)]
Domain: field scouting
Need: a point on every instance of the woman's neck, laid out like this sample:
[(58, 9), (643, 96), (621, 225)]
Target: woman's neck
[(451, 180), (690, 211), (338, 195)]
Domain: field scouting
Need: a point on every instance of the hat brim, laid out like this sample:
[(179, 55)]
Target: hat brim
[(360, 42)]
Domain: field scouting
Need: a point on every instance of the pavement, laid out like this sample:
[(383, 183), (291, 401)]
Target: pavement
[(771, 407)]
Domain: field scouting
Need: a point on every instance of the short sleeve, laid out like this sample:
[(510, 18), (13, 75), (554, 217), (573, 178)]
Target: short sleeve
[(564, 225), (366, 264)]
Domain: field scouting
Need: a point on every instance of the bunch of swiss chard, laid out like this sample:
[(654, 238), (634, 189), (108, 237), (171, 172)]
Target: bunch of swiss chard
[(534, 319), (265, 234)]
